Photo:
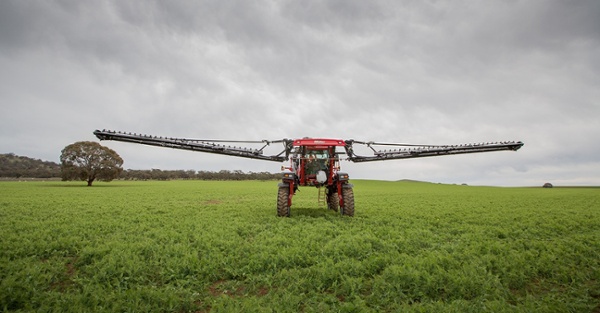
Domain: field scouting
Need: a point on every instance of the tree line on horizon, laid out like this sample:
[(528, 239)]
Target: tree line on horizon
[(15, 166)]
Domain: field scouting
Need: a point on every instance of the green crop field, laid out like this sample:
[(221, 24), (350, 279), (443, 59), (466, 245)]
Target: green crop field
[(200, 246)]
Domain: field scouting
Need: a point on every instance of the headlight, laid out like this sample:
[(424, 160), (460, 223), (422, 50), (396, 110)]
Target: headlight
[(343, 176)]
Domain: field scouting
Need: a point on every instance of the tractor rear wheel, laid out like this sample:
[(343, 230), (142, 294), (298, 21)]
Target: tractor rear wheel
[(333, 201), (348, 196), (283, 209)]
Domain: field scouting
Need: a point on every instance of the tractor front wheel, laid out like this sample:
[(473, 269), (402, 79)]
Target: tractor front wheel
[(283, 209), (348, 196), (333, 201)]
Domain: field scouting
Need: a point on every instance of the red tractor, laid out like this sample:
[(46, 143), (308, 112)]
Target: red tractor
[(313, 161)]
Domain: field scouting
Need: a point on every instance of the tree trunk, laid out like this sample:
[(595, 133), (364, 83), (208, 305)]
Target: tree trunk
[(90, 182)]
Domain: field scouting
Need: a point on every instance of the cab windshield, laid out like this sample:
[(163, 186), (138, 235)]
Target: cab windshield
[(316, 160)]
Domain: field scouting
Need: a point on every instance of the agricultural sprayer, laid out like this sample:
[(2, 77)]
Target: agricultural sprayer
[(313, 161)]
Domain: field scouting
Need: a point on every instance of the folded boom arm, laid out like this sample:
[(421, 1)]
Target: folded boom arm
[(407, 151), (209, 146)]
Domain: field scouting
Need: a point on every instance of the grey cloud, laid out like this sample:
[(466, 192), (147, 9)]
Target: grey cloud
[(416, 71)]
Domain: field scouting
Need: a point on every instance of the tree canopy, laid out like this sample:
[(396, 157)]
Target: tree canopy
[(88, 161)]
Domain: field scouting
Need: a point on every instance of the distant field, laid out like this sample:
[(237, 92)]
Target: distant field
[(199, 246)]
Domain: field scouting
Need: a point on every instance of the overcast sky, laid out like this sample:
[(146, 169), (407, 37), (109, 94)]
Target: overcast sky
[(433, 72)]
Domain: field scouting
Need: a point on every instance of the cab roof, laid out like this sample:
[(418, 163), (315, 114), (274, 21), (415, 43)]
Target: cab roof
[(319, 143)]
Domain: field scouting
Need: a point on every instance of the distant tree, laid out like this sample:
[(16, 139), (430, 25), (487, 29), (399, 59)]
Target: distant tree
[(88, 161), (14, 166)]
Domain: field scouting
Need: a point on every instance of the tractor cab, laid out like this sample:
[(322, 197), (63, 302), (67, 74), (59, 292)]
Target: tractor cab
[(314, 161)]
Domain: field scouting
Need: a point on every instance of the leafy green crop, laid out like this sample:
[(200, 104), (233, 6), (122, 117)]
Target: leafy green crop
[(198, 246)]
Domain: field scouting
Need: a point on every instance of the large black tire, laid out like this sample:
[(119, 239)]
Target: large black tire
[(283, 210), (348, 196), (333, 202)]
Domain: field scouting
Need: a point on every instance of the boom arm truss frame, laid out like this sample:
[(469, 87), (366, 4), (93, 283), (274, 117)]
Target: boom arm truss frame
[(201, 145), (408, 151)]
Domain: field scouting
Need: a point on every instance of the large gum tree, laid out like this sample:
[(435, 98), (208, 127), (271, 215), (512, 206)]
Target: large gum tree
[(88, 161)]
